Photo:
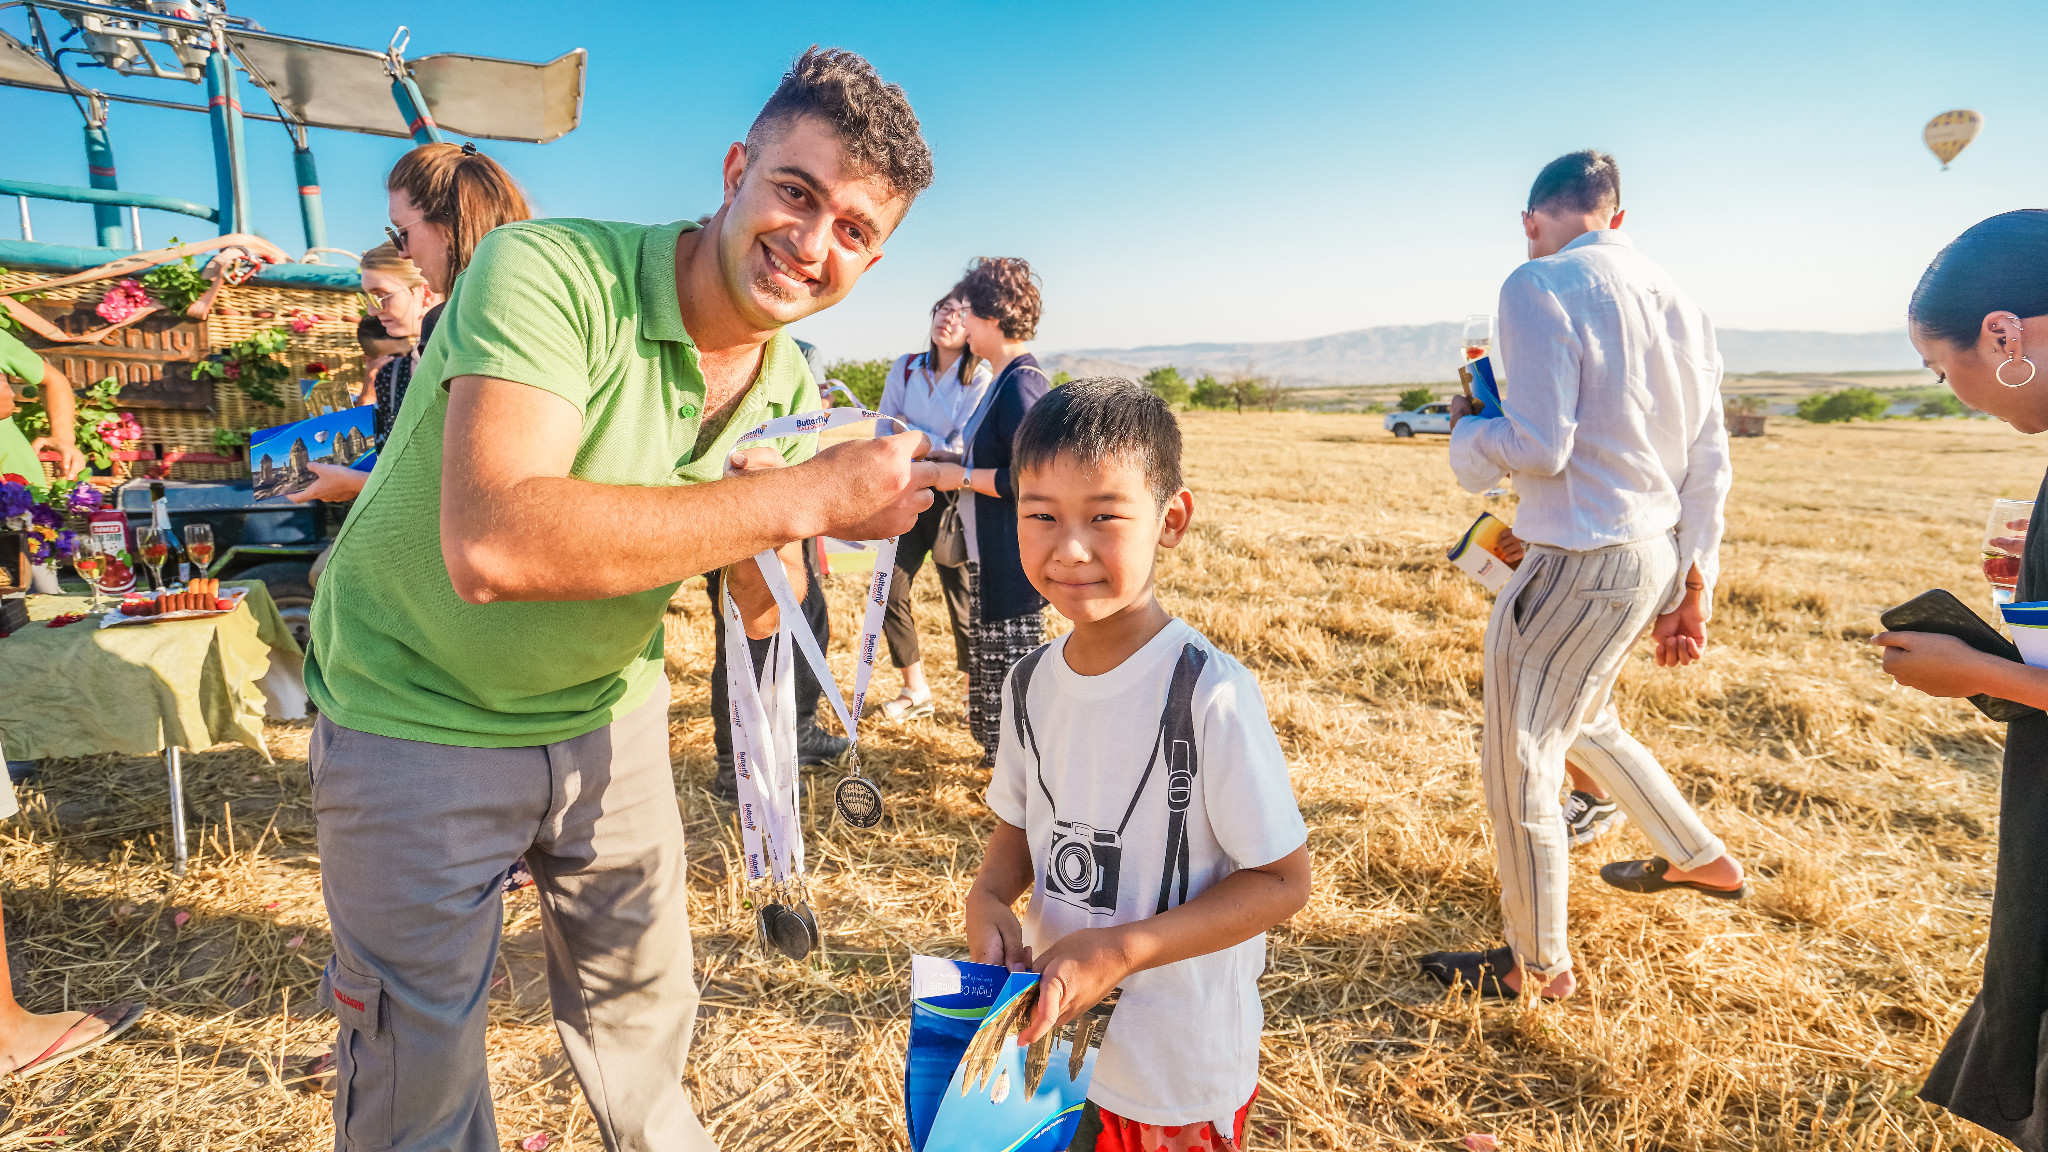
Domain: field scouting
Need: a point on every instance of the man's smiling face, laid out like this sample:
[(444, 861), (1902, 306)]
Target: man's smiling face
[(800, 225)]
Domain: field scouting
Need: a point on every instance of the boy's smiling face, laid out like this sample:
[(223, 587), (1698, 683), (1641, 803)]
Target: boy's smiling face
[(1088, 534)]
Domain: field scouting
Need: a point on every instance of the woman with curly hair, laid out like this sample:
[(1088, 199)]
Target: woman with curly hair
[(1002, 315)]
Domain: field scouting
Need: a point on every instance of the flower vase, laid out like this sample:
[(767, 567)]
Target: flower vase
[(42, 580)]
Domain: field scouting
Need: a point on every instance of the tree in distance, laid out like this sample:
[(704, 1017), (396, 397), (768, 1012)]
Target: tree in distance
[(1062, 377), (1839, 407), (1166, 383), (1208, 393), (1413, 398)]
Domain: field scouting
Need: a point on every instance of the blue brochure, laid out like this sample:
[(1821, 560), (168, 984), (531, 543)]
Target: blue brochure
[(1484, 389), (952, 1001), (278, 457)]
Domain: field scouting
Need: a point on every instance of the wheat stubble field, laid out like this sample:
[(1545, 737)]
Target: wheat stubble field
[(1799, 1020)]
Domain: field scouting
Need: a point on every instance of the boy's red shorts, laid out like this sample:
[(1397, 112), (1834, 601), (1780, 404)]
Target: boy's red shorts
[(1113, 1133)]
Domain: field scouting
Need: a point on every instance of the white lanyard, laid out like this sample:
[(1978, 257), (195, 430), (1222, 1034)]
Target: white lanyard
[(765, 746)]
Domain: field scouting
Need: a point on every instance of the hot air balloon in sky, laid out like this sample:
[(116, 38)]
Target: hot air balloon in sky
[(1951, 132)]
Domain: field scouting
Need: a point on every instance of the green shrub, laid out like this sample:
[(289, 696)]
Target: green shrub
[(1935, 407), (1413, 398), (1838, 407), (864, 378)]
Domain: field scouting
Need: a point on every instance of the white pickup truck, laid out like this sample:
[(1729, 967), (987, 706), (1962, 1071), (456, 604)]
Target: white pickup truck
[(1432, 417)]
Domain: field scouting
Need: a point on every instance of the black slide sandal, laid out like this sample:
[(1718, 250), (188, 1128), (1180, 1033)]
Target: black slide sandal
[(1646, 876), (1476, 970)]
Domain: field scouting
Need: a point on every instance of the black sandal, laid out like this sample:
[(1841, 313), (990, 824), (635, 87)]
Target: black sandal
[(1478, 970), (1646, 876)]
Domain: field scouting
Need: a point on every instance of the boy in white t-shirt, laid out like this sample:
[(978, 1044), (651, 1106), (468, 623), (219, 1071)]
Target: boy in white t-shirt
[(1142, 798)]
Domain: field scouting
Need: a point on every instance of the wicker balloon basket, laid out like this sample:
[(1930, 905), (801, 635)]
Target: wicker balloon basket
[(153, 359)]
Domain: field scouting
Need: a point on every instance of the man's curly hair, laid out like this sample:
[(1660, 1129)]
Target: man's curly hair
[(1003, 289), (873, 120)]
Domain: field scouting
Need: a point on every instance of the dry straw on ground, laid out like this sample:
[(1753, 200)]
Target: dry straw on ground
[(1799, 1020)]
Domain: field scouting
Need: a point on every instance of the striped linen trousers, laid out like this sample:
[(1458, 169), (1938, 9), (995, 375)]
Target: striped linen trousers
[(1555, 645)]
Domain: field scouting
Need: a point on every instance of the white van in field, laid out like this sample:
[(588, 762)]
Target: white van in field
[(1434, 416)]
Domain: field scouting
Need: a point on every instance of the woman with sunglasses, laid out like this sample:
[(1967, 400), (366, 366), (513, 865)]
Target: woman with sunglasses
[(443, 199), (933, 391)]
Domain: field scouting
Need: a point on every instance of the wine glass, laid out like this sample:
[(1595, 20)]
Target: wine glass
[(2005, 538), (1478, 337), (89, 563), (199, 546), (154, 551)]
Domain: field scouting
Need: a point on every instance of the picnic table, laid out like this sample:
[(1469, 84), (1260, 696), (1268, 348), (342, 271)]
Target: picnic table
[(142, 689)]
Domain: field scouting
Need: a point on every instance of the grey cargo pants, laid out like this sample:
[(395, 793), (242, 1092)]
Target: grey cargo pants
[(414, 841)]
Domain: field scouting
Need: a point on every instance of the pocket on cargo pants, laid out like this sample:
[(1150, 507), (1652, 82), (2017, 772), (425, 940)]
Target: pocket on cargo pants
[(364, 1077)]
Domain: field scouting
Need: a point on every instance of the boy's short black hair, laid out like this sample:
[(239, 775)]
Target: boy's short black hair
[(1100, 418), (1582, 182), (370, 330)]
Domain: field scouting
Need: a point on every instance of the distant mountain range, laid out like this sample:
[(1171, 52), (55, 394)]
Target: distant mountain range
[(1399, 354)]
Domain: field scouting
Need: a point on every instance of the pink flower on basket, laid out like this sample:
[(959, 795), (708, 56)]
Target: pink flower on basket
[(123, 300), (302, 322), (536, 1142)]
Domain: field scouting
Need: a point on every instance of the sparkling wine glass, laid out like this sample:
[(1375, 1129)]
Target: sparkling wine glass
[(199, 546), (2005, 538), (1478, 337), (89, 563), (155, 550)]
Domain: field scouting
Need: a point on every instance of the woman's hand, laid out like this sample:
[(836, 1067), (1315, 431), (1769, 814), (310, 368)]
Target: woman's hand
[(1936, 664), (1074, 975), (333, 482)]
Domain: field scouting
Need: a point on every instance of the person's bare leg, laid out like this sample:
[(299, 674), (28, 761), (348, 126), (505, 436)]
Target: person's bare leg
[(1561, 985), (1723, 871), (1584, 782), (25, 1035), (913, 680)]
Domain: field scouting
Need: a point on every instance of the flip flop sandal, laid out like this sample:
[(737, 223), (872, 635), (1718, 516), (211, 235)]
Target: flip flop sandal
[(1646, 876), (1479, 970), (119, 1017)]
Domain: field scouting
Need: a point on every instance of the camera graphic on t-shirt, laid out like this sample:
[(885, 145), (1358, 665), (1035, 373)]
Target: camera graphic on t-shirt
[(1081, 866)]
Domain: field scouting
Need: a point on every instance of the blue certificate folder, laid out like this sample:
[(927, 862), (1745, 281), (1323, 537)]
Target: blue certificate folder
[(278, 457), (1484, 389), (950, 1001)]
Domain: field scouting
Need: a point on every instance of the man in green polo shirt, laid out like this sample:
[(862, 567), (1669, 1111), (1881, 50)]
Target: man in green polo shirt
[(17, 454), (486, 642)]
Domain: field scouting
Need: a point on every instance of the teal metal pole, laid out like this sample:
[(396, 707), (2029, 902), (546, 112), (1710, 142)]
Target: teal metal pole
[(419, 120), (99, 169), (310, 213), (230, 161)]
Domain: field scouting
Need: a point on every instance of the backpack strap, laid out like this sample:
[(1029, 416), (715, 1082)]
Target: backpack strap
[(1020, 695), (1177, 737)]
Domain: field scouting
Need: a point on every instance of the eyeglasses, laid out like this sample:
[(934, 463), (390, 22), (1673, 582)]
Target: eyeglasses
[(398, 235), (383, 299)]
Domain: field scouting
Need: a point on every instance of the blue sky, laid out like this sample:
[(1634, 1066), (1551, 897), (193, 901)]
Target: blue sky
[(1192, 171)]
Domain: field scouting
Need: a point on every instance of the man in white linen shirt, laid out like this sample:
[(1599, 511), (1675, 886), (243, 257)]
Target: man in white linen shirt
[(1611, 427)]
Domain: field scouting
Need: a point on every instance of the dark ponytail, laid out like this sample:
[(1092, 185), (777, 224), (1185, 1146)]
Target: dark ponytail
[(1999, 265)]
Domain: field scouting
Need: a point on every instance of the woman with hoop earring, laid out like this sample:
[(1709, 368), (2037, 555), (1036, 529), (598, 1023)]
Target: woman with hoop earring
[(1980, 320)]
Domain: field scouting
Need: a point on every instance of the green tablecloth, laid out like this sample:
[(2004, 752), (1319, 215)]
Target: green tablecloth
[(81, 689)]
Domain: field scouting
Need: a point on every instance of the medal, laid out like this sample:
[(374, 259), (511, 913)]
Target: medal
[(857, 800), (763, 720)]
